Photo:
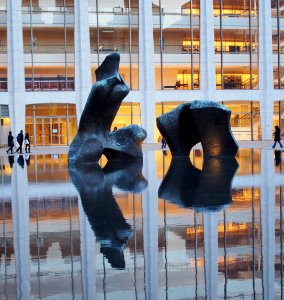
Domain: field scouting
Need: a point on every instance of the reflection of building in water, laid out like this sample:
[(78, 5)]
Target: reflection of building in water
[(55, 239)]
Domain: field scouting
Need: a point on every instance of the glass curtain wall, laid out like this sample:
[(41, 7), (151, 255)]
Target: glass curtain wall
[(245, 120), (51, 124), (176, 44), (128, 113), (278, 115), (236, 49), (114, 27), (48, 33), (277, 7), (3, 47)]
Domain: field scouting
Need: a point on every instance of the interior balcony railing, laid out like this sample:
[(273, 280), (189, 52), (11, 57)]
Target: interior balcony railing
[(3, 85), (233, 49), (118, 10), (234, 82), (250, 84), (177, 49), (3, 48), (50, 84), (50, 48), (48, 9), (235, 13), (109, 48)]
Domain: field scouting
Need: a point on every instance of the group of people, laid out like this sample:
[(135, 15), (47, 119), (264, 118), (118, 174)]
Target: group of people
[(20, 140)]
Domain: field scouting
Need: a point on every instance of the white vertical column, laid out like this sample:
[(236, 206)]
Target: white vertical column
[(150, 227), (83, 77), (16, 72), (147, 68), (265, 68), (210, 231), (207, 51), (20, 213), (267, 192), (88, 255)]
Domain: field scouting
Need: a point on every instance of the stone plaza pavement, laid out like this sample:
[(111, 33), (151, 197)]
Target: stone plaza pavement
[(149, 147)]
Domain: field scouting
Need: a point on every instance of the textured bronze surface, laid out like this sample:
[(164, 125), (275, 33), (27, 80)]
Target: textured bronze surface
[(94, 137)]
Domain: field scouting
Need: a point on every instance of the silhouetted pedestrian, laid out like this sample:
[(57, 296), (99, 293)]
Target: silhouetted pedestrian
[(277, 137), (20, 139), (164, 144), (27, 143), (10, 142)]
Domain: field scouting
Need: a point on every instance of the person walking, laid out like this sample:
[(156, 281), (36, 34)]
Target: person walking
[(27, 143), (10, 142), (20, 139), (277, 137)]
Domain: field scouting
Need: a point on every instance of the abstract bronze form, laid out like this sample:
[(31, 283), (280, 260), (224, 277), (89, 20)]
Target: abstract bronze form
[(94, 137), (208, 189), (95, 185), (203, 121)]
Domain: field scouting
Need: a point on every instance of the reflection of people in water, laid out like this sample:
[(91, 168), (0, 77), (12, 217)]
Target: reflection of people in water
[(21, 161), (164, 143), (27, 159), (277, 156), (11, 160)]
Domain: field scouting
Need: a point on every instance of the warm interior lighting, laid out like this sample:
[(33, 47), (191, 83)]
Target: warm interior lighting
[(6, 121), (228, 11), (230, 227)]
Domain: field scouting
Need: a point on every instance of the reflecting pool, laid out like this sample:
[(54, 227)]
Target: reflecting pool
[(167, 229)]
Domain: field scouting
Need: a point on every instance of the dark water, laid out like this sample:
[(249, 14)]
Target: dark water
[(181, 229)]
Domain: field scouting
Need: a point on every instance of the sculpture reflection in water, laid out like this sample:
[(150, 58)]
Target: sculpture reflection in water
[(94, 185), (203, 190)]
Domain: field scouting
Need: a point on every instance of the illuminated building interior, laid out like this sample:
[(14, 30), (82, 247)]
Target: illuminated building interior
[(186, 63)]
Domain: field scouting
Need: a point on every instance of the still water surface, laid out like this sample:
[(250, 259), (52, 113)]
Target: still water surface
[(180, 230)]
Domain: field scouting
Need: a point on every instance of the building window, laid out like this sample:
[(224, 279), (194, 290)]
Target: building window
[(106, 36), (48, 50), (245, 120), (51, 124), (176, 42), (236, 50)]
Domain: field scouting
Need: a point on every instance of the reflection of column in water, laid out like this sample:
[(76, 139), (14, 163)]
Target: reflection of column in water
[(195, 255), (135, 245), (267, 193), (104, 278), (88, 255), (38, 243), (71, 246), (281, 243), (150, 227), (20, 212), (253, 241), (225, 255), (210, 230), (5, 241), (165, 246)]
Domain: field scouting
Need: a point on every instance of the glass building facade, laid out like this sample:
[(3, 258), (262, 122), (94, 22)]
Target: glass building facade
[(172, 52)]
